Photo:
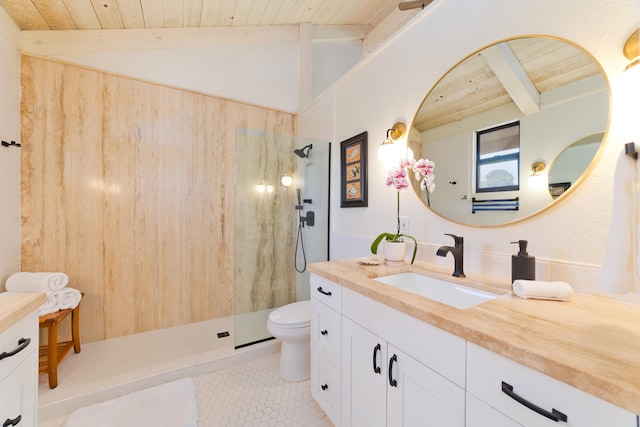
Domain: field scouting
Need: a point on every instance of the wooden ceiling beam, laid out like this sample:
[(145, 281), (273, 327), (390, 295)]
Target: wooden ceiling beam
[(513, 77), (51, 43)]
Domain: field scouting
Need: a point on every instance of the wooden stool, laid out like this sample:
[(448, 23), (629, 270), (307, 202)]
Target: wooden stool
[(52, 353)]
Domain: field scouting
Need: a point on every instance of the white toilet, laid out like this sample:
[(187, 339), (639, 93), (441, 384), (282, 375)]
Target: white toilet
[(291, 325)]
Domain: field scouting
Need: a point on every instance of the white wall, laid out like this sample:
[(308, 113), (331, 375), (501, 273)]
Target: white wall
[(9, 156), (389, 85), (265, 74), (261, 74)]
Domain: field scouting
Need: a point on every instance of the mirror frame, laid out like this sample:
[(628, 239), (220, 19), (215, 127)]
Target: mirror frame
[(596, 158)]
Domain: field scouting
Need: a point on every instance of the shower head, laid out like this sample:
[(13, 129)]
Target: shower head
[(300, 151)]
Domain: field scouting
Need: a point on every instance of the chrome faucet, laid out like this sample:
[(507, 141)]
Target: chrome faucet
[(458, 254)]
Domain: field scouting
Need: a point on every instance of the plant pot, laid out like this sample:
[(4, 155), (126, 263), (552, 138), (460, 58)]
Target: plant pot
[(394, 251)]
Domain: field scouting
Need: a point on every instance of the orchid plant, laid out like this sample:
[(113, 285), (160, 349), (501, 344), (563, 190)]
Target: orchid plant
[(423, 172), (397, 178)]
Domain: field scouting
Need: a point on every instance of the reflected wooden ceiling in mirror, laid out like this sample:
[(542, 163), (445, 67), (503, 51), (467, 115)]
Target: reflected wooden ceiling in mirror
[(472, 87), (555, 90)]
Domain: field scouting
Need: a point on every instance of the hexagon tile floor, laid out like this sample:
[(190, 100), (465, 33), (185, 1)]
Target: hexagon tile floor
[(252, 394)]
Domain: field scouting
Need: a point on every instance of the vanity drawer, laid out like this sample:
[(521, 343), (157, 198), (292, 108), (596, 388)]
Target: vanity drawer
[(501, 382), (325, 387), (326, 291), (326, 332), (17, 342)]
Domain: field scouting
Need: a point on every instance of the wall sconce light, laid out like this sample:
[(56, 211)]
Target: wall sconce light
[(631, 50), (537, 167), (286, 180), (389, 151)]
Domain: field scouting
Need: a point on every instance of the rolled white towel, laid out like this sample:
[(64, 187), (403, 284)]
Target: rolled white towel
[(50, 306), (36, 282), (68, 298), (542, 290)]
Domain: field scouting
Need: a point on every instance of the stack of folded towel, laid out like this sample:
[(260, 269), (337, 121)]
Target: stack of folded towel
[(538, 289), (59, 297)]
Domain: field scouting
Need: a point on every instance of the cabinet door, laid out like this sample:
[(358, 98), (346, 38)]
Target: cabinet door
[(364, 377), (418, 396), (18, 394)]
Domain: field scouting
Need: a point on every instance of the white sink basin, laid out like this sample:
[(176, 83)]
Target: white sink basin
[(449, 293)]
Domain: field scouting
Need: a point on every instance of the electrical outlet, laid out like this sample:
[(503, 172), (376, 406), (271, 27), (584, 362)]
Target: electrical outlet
[(404, 224)]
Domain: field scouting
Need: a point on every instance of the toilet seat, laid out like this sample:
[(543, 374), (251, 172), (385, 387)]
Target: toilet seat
[(294, 315)]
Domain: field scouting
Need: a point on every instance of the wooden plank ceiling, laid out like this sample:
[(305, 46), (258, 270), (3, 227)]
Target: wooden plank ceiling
[(137, 14)]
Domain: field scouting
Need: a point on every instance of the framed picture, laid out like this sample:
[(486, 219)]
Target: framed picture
[(353, 171), (557, 189)]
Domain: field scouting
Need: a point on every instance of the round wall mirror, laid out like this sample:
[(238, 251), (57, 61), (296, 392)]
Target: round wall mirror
[(511, 129)]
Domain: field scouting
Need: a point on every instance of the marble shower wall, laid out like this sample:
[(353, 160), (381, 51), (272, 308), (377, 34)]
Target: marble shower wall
[(129, 187), (265, 225)]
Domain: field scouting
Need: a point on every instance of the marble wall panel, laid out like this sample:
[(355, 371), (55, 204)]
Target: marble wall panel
[(129, 187)]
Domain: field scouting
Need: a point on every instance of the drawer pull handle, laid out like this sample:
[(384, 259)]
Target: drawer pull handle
[(392, 381), (323, 292), (325, 332), (324, 386), (22, 344), (553, 415), (12, 422), (376, 368)]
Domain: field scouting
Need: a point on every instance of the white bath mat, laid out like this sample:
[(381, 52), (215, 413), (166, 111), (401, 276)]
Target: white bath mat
[(172, 404)]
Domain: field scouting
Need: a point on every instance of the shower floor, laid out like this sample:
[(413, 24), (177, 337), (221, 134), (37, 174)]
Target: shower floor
[(110, 368)]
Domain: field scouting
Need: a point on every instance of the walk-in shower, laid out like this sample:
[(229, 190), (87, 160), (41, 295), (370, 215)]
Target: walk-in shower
[(278, 228)]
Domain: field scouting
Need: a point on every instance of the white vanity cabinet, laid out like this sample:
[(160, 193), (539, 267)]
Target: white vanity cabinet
[(398, 370), (19, 373), (391, 368), (326, 346), (517, 395), (384, 386)]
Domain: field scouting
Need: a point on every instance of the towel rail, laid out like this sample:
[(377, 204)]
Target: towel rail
[(495, 205), (10, 144)]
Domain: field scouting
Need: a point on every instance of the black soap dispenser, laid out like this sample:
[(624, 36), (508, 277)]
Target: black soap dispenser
[(523, 266)]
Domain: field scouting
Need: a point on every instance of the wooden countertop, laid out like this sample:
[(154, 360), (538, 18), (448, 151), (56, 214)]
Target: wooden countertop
[(589, 342), (14, 308)]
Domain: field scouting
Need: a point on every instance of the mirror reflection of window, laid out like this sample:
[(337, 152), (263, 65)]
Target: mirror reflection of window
[(498, 158)]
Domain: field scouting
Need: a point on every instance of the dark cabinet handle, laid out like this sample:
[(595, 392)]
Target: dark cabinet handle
[(325, 332), (376, 368), (13, 422), (324, 386), (22, 344), (392, 382), (553, 415), (323, 292)]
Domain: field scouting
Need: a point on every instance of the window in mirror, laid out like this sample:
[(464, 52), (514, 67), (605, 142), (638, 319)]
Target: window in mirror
[(498, 158)]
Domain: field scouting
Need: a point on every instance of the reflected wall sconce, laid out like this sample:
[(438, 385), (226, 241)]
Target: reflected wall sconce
[(286, 180), (537, 167), (388, 151), (631, 50)]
